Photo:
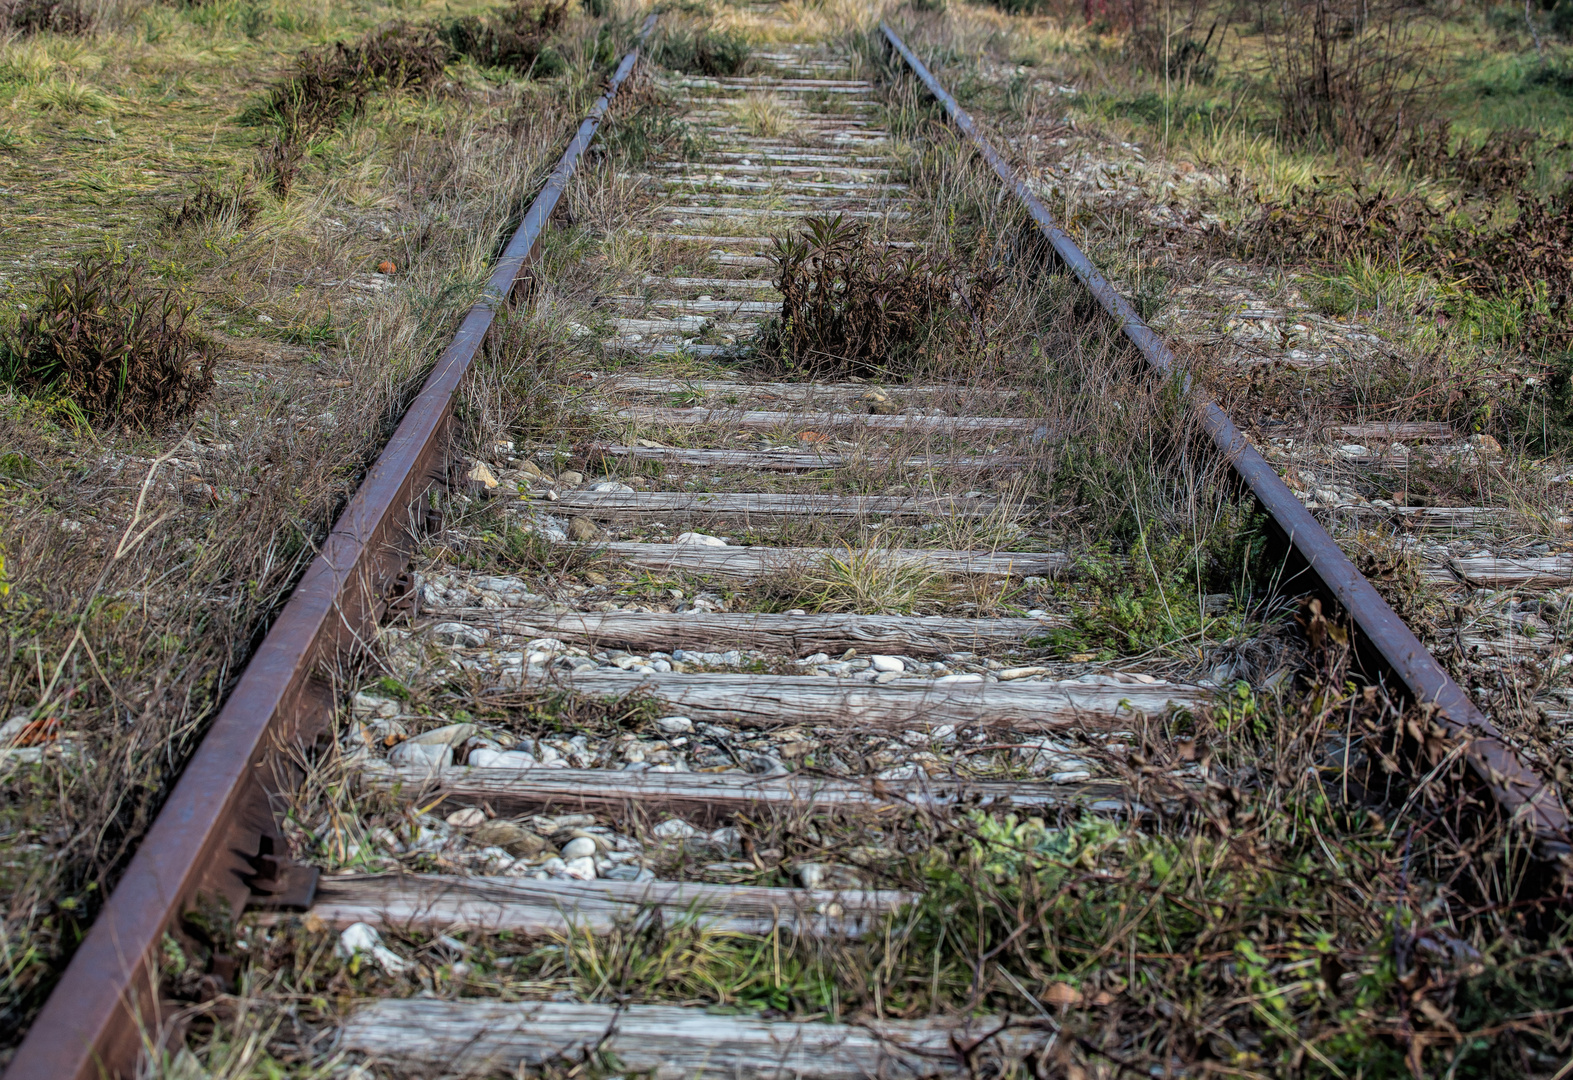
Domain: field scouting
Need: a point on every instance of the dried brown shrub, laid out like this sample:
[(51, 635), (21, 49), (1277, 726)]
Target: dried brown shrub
[(118, 348), (853, 306), (1355, 75), (1498, 164)]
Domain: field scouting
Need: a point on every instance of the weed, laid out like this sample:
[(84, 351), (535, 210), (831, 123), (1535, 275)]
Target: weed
[(1498, 164), (121, 350), (207, 205), (334, 81), (853, 307), (41, 16), (514, 39), (702, 51), (868, 581), (278, 161)]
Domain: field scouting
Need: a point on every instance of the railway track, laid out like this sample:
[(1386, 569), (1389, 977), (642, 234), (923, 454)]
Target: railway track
[(749, 640)]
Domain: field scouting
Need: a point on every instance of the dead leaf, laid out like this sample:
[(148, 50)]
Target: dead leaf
[(1061, 994)]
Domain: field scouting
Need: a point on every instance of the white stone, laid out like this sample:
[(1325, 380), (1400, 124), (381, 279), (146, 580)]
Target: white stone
[(362, 939), (611, 486), (811, 875), (480, 474), (467, 818), (674, 829), (582, 869), (675, 725), (447, 735), (453, 633), (501, 759), (968, 677), (699, 539), (1021, 672), (887, 663), (422, 755), (578, 848)]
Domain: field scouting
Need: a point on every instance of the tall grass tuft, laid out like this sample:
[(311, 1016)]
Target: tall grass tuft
[(118, 348)]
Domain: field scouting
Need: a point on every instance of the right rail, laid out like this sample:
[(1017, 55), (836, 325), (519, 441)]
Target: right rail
[(1517, 789)]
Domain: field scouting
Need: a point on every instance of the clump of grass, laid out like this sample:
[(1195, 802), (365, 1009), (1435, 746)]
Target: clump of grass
[(41, 16), (703, 51), (868, 581), (100, 336), (515, 39), (234, 209), (762, 114), (851, 306), (334, 81)]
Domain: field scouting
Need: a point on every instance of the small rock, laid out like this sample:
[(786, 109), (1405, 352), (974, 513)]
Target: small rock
[(699, 539), (1484, 444), (1021, 672), (453, 633), (421, 755), (582, 868), (674, 829), (468, 818), (578, 848), (486, 758), (675, 725), (362, 939), (447, 735), (887, 663), (481, 476), (513, 838), (611, 486), (570, 479), (582, 529), (531, 469)]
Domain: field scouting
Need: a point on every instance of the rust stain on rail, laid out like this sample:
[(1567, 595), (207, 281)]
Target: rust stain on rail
[(215, 837), (1518, 790)]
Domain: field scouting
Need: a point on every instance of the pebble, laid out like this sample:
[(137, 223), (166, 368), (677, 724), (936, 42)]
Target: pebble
[(362, 939), (422, 755), (447, 735), (467, 637), (570, 479), (578, 848), (699, 539), (485, 758), (611, 486), (887, 663), (675, 725), (481, 476), (969, 677), (674, 829), (468, 818), (1021, 672), (582, 529)]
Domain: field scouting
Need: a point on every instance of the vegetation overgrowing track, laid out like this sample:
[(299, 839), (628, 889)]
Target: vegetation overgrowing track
[(756, 593)]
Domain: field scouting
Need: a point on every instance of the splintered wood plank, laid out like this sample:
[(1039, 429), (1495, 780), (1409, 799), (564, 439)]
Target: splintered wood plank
[(434, 903), (794, 461), (709, 798), (744, 564), (622, 505), (668, 1042), (1438, 518), (772, 700), (759, 420), (791, 635), (1496, 571)]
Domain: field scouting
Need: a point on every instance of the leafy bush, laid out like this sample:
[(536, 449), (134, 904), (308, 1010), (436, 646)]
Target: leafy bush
[(851, 306), (703, 52), (117, 348)]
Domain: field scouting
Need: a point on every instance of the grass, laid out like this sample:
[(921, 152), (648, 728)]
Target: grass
[(139, 563)]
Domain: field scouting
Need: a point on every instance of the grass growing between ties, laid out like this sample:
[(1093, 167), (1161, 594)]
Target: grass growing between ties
[(1272, 922)]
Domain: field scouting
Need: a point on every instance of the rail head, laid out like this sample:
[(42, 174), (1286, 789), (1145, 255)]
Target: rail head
[(215, 836), (1522, 794)]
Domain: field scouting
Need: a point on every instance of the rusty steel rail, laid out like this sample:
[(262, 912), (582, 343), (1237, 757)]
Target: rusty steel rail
[(1518, 790), (215, 839)]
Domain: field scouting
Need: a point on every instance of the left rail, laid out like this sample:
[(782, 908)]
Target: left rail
[(215, 842)]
